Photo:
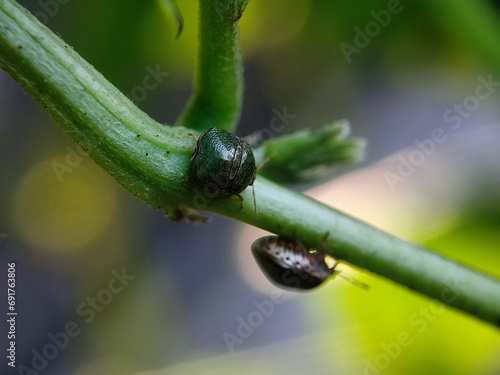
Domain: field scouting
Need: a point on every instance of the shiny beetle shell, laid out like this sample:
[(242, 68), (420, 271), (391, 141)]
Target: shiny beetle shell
[(223, 163), (290, 265)]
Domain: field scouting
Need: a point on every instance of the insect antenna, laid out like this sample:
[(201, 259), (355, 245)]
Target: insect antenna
[(254, 202), (348, 278), (354, 281), (266, 160)]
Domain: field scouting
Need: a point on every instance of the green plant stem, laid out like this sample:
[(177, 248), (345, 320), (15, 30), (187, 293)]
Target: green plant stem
[(292, 214), (139, 152), (218, 85), (152, 161)]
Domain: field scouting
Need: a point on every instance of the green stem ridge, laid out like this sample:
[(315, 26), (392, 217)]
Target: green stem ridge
[(218, 86), (152, 161)]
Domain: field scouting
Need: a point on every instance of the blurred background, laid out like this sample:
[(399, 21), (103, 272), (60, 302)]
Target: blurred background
[(418, 80)]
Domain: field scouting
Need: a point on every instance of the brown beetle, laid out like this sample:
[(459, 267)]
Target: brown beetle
[(290, 265)]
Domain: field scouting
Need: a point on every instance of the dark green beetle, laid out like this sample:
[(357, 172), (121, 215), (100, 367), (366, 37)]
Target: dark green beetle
[(222, 163)]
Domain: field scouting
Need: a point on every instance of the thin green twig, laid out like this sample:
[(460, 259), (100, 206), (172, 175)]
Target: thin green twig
[(218, 86)]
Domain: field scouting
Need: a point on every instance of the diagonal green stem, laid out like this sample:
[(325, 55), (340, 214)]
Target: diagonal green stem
[(151, 161), (218, 85), (292, 214)]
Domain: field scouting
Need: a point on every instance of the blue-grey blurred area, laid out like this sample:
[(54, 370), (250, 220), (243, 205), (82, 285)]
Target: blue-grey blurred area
[(107, 285)]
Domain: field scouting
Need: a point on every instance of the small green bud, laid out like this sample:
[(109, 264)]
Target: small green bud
[(306, 154)]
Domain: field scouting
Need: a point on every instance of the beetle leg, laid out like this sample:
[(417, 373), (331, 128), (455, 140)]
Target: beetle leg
[(296, 239), (335, 265), (227, 195), (241, 200), (323, 242)]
